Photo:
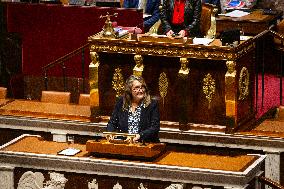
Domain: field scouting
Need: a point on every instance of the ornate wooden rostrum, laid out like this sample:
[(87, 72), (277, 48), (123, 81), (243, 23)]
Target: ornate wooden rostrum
[(197, 85)]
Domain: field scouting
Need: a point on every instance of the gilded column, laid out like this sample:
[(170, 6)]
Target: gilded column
[(183, 75), (230, 90), (138, 69), (93, 82)]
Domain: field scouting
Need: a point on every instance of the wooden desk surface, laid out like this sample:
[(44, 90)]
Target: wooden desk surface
[(238, 163), (255, 16), (46, 110), (3, 101), (254, 23)]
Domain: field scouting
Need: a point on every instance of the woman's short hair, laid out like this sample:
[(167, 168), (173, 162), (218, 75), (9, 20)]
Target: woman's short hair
[(127, 97)]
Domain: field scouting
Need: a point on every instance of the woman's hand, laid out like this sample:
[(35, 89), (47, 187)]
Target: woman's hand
[(182, 33), (136, 138), (170, 33)]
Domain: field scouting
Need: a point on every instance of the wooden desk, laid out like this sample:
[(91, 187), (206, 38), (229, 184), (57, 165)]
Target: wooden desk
[(3, 102), (252, 24), (31, 152), (39, 109)]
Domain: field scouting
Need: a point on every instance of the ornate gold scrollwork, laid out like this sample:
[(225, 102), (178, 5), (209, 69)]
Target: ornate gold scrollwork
[(138, 69), (209, 88), (169, 51), (244, 84), (163, 85), (184, 70), (118, 82)]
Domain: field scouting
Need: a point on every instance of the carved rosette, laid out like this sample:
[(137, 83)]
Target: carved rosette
[(117, 186), (141, 186), (209, 88), (244, 83), (93, 185), (163, 86), (118, 82), (175, 186)]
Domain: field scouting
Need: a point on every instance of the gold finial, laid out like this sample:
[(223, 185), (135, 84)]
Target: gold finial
[(108, 30)]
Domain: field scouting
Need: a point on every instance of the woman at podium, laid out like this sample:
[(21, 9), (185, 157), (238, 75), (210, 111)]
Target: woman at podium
[(136, 113), (181, 18)]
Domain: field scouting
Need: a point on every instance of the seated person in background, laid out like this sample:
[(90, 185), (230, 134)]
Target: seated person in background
[(181, 17), (214, 2), (150, 9), (238, 4), (136, 113)]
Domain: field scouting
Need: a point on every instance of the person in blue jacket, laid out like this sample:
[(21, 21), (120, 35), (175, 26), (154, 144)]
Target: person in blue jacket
[(136, 113), (151, 8)]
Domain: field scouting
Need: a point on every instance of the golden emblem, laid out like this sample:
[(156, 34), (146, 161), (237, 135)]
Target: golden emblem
[(209, 88), (244, 83), (163, 86), (118, 82)]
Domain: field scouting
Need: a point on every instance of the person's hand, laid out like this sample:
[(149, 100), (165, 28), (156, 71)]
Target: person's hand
[(136, 138), (170, 33), (110, 138), (182, 33)]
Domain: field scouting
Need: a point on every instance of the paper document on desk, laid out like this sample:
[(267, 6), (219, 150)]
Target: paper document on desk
[(146, 15), (237, 13), (202, 41), (69, 152)]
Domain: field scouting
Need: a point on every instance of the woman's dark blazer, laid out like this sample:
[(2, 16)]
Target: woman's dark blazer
[(149, 121), (192, 14)]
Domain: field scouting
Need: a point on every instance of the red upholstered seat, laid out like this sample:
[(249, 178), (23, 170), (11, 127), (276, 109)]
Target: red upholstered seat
[(56, 97), (3, 92), (84, 99)]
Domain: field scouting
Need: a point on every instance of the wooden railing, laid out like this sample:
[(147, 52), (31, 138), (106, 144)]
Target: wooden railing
[(268, 182), (61, 62)]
